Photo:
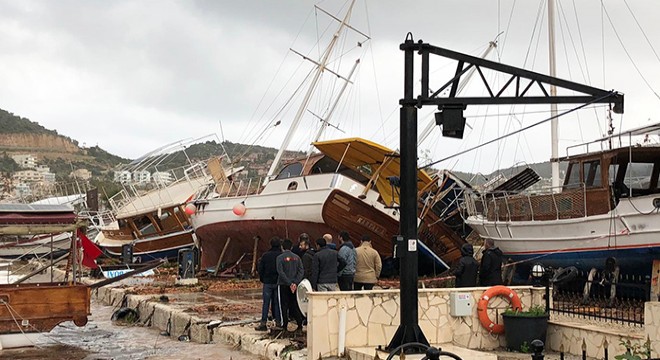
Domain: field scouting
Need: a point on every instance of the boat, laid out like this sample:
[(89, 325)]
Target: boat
[(34, 246), (30, 309), (150, 218), (347, 186), (607, 207)]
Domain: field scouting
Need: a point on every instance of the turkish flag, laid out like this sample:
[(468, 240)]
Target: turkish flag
[(90, 251)]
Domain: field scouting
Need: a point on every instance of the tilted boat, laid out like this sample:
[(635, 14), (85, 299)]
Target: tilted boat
[(27, 310), (351, 185), (348, 186), (608, 206), (153, 221)]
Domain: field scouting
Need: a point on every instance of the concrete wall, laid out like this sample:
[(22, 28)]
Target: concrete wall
[(652, 326), (372, 318)]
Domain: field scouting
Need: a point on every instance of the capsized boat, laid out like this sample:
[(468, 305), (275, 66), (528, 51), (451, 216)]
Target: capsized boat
[(350, 185), (27, 310), (151, 217), (607, 207)]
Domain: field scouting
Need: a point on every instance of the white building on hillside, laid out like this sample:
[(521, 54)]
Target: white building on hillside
[(25, 161), (123, 176), (27, 176), (162, 177), (141, 177)]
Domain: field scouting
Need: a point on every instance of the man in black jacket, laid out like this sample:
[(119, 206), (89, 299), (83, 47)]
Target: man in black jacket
[(290, 274), (307, 258), (490, 272), (466, 269), (268, 276), (324, 268)]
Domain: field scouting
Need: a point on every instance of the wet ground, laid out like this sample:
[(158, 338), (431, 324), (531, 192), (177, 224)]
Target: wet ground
[(101, 339)]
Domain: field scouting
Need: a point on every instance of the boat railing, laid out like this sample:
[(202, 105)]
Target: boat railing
[(161, 183), (551, 203), (233, 188)]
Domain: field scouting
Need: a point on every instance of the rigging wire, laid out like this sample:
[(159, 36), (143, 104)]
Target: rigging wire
[(642, 30), (521, 129), (373, 67), (568, 62), (628, 54)]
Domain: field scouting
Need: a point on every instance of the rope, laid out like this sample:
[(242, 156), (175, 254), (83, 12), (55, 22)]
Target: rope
[(11, 312), (628, 54), (519, 130)]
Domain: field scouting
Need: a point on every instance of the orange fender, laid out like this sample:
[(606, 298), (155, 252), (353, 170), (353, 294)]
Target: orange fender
[(482, 306)]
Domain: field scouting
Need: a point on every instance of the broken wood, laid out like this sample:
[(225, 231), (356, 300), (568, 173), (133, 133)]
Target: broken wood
[(222, 255)]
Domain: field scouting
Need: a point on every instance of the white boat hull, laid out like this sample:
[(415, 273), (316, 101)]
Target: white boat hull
[(630, 233)]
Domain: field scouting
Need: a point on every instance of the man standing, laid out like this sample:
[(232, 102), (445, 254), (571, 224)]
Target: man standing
[(297, 249), (347, 255), (268, 276), (307, 259), (324, 268), (290, 274), (466, 269), (368, 265), (490, 272), (328, 241)]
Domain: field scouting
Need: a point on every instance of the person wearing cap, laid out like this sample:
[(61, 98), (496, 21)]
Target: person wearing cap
[(466, 269), (368, 265)]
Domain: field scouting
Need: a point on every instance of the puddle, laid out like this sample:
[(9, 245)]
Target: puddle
[(101, 339)]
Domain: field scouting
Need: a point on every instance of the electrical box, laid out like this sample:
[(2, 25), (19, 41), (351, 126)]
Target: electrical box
[(127, 253), (460, 304), (187, 263)]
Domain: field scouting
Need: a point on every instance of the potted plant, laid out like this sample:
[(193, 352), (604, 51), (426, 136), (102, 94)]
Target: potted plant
[(523, 327)]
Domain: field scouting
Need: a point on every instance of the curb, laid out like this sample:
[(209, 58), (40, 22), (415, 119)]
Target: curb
[(176, 323)]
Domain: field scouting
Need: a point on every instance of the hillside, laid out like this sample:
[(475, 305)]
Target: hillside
[(19, 135)]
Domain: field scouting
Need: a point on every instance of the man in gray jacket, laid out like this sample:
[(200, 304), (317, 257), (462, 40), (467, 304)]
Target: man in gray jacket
[(324, 267), (290, 274), (346, 255)]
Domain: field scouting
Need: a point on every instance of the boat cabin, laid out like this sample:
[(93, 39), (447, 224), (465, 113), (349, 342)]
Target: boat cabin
[(594, 184)]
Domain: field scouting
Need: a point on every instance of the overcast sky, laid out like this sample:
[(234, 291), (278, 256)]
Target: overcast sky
[(131, 76)]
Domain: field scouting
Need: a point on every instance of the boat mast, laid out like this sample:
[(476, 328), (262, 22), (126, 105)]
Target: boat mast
[(326, 122), (312, 87), (554, 124)]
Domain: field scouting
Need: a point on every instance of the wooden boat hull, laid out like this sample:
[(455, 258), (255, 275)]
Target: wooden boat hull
[(315, 213), (38, 308), (160, 247)]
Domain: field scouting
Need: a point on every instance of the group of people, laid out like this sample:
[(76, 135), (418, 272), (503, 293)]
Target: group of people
[(468, 270), (326, 266)]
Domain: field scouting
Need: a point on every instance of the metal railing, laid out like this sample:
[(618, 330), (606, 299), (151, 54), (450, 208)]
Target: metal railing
[(603, 298), (546, 204)]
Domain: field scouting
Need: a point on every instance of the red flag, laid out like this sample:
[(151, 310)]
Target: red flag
[(90, 251)]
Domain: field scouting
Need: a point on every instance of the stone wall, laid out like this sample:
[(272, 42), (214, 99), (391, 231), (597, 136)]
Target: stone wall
[(652, 326), (372, 317), (571, 336)]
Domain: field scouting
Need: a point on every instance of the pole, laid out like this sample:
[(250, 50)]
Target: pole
[(554, 123), (409, 330)]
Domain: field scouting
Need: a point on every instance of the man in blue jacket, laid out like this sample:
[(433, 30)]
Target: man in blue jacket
[(348, 256), (289, 275), (268, 276)]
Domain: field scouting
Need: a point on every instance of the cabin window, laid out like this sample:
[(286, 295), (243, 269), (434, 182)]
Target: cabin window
[(291, 170), (572, 176), (638, 175), (292, 186), (591, 171), (144, 225)]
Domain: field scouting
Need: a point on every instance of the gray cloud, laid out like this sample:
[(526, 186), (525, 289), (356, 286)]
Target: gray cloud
[(131, 76)]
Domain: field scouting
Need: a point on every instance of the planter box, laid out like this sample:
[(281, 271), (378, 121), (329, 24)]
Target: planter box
[(520, 330)]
